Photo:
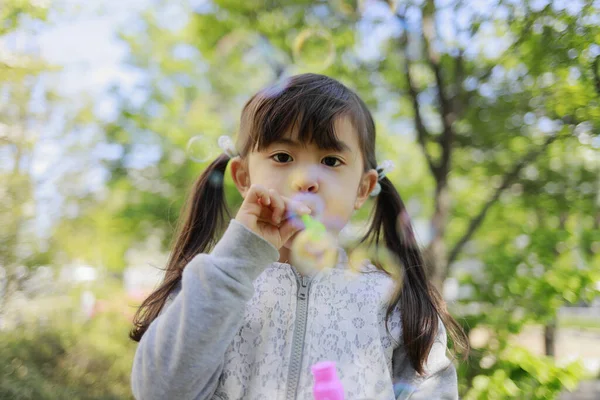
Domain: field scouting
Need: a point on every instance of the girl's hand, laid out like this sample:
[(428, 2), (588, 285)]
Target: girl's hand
[(264, 212)]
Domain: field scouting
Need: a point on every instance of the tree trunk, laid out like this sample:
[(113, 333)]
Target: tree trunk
[(550, 337), (550, 328), (436, 251)]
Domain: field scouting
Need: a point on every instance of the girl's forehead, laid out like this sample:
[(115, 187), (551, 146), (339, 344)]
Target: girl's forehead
[(346, 137), (346, 132)]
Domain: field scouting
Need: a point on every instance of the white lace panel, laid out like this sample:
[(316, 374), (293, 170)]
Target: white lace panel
[(345, 324)]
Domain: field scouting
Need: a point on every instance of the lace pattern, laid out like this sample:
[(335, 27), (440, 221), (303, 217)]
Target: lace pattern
[(345, 323)]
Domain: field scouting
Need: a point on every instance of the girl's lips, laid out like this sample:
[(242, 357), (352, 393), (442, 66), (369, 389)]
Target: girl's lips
[(312, 201)]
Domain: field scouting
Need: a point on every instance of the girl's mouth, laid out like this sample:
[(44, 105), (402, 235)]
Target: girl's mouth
[(312, 201)]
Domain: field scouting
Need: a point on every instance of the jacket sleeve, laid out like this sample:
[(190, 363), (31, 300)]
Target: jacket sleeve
[(439, 380), (181, 354)]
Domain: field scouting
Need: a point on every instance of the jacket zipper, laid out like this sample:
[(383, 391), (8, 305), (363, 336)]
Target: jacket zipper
[(299, 335)]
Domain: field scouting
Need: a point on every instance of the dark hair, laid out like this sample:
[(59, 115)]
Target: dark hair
[(314, 102)]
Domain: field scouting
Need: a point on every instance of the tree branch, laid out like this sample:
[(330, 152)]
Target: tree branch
[(446, 113), (508, 179), (596, 72), (422, 133), (459, 99), (488, 72)]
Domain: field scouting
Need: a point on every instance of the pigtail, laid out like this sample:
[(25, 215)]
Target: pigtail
[(198, 229), (420, 303)]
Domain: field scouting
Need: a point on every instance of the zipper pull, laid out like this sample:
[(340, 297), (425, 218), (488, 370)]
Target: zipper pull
[(303, 289)]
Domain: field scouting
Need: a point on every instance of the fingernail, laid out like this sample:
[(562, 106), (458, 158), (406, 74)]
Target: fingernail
[(305, 209)]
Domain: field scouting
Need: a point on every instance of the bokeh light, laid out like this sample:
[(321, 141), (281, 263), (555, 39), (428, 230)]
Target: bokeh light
[(248, 53), (314, 49)]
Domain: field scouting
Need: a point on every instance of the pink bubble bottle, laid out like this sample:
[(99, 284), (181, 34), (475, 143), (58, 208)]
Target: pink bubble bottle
[(327, 384)]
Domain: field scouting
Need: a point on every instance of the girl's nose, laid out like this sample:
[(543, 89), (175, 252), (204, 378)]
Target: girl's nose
[(310, 187), (306, 180)]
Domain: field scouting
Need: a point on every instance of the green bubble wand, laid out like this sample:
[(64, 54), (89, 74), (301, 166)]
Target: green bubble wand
[(314, 248), (314, 228)]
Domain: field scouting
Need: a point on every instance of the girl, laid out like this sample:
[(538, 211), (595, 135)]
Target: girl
[(233, 319)]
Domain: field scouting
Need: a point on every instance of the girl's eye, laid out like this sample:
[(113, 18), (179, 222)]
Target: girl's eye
[(284, 158), (279, 155), (334, 160)]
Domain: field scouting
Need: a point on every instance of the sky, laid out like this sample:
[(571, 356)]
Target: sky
[(81, 38), (87, 46)]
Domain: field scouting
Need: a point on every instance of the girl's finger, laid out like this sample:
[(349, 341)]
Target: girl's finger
[(277, 206), (294, 207), (265, 197), (258, 194)]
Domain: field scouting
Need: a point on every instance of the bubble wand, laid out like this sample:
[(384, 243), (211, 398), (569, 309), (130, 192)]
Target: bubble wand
[(314, 228), (314, 248)]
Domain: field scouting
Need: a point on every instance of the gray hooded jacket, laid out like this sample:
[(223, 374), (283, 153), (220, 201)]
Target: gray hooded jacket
[(243, 326)]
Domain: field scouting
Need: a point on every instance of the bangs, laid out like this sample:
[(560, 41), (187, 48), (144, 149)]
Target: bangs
[(309, 110)]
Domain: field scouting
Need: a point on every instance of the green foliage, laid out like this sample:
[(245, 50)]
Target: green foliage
[(523, 121), (514, 372), (19, 119), (14, 11), (66, 358)]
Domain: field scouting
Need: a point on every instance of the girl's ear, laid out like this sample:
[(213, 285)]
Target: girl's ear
[(239, 173), (367, 184)]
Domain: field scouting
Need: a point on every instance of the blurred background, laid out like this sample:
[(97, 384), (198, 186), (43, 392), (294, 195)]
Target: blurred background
[(490, 109)]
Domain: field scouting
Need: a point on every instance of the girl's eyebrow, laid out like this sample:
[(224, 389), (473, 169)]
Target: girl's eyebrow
[(339, 145)]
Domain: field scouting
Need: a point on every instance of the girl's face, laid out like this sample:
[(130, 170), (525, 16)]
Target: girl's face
[(331, 183)]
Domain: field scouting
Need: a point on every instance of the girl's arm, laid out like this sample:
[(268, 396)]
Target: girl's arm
[(439, 382), (181, 354)]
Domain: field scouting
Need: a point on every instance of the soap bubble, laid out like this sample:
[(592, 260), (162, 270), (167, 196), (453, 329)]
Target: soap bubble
[(350, 8), (314, 251), (314, 248), (202, 148), (314, 49), (333, 223), (245, 54), (276, 89), (365, 258), (402, 387)]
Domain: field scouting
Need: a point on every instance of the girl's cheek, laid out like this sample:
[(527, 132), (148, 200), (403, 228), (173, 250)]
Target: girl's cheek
[(334, 223), (274, 181), (336, 216)]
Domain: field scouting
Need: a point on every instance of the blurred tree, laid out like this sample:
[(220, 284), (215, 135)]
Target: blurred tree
[(33, 115), (13, 12), (19, 124), (502, 100)]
